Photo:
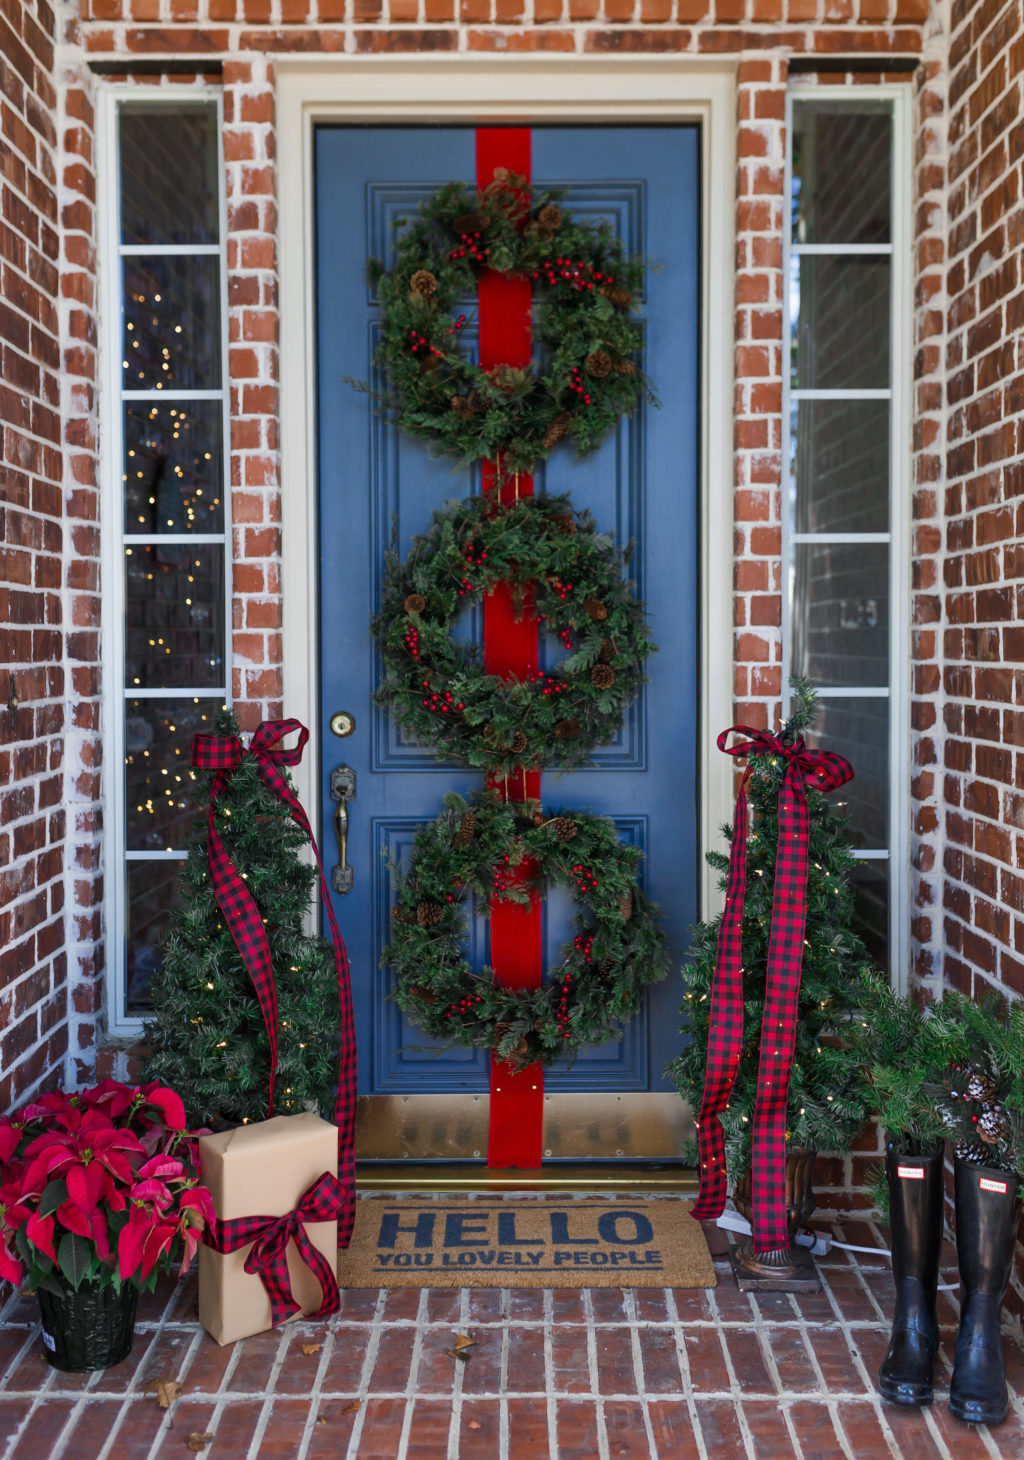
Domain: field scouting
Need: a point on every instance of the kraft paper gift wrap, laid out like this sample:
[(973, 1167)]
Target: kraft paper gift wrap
[(262, 1169)]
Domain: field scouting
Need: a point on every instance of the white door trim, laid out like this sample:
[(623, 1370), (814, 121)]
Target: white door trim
[(524, 89)]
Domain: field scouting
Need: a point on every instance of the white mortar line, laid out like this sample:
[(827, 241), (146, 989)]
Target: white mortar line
[(736, 1391), (256, 1443), (369, 1361), (549, 1375), (414, 1368), (504, 1438), (186, 1363), (629, 1304), (315, 1391), (456, 1394), (595, 1387), (683, 1359)]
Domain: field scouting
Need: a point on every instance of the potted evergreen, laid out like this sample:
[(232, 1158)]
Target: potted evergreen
[(99, 1193), (827, 1097)]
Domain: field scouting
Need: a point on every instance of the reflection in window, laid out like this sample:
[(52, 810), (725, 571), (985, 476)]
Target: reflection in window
[(174, 489)]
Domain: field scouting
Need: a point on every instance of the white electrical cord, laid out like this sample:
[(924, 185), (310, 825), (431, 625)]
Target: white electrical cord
[(818, 1243)]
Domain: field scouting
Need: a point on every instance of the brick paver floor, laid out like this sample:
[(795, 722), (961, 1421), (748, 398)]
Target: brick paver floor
[(567, 1373)]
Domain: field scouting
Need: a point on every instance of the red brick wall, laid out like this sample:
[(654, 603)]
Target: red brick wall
[(33, 997)]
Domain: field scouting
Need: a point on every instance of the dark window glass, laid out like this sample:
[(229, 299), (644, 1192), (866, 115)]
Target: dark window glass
[(174, 597), (871, 882), (174, 466), (859, 729), (169, 174), (158, 769), (840, 324), (152, 889), (842, 173), (839, 465), (171, 323), (840, 613)]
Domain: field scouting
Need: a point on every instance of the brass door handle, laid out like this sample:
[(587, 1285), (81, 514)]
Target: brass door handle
[(343, 790)]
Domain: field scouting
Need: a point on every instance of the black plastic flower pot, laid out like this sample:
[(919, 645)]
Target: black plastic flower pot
[(92, 1328)]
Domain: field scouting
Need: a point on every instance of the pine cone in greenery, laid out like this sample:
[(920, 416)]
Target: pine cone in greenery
[(564, 828), (567, 729), (626, 905), (470, 223), (425, 995), (558, 428), (564, 522), (398, 914), (466, 830), (980, 1087), (607, 653), (616, 294), (971, 1152), (548, 221), (595, 609), (991, 1125), (519, 742), (415, 603), (625, 367), (602, 676), (423, 284), (598, 365), (429, 914)]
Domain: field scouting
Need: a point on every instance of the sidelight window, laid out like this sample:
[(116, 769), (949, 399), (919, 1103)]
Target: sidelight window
[(166, 569), (847, 450)]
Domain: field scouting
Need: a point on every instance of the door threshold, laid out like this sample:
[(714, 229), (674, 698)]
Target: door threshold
[(460, 1176)]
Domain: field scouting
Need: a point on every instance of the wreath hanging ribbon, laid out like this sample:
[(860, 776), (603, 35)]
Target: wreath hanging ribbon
[(223, 754), (824, 771), (323, 1201)]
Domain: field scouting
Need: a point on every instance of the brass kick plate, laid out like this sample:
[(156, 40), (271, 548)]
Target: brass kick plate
[(439, 1143)]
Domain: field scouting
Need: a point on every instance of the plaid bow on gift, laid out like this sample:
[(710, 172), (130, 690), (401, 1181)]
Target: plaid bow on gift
[(223, 754), (324, 1201), (825, 771)]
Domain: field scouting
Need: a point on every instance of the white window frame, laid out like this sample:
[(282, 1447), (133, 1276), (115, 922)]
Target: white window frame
[(119, 1024), (898, 538)]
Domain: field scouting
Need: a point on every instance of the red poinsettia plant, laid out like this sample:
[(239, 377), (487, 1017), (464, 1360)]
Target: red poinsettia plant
[(100, 1185)]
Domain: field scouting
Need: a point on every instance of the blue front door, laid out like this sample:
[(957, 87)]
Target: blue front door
[(642, 487)]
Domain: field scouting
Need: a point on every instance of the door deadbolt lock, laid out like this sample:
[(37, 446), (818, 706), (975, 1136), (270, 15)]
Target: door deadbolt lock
[(342, 723), (342, 790)]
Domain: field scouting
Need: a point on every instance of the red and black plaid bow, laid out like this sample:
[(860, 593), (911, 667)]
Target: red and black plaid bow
[(223, 754), (324, 1201), (825, 771)]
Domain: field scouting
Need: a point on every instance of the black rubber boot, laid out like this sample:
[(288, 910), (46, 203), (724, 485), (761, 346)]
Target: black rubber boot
[(915, 1207), (987, 1206)]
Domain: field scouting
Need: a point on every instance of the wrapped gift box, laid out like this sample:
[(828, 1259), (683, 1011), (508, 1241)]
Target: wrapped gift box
[(262, 1170)]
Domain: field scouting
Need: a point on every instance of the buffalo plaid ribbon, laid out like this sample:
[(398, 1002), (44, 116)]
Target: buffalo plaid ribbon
[(324, 1201), (223, 754), (825, 771)]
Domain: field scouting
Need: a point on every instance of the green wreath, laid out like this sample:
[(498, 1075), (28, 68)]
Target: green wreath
[(435, 684), (585, 377), (474, 847)]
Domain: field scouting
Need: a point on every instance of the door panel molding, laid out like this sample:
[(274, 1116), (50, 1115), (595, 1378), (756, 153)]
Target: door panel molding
[(426, 89)]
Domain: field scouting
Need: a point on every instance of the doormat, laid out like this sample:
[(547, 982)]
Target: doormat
[(525, 1242)]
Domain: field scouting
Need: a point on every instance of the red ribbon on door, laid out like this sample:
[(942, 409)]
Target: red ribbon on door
[(510, 649)]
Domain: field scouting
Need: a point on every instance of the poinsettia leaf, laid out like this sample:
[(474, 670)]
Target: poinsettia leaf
[(39, 1231), (169, 1104), (74, 1258), (55, 1194), (48, 1284), (24, 1246), (85, 1186)]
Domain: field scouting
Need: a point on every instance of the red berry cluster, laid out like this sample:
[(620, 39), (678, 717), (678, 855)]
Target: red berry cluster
[(465, 1005), (459, 324), (422, 346), (475, 556), (562, 589), (566, 638), (412, 641), (552, 684), (576, 272), (562, 1011), (576, 384), (504, 876), (471, 248), (585, 879), (443, 704), (583, 942)]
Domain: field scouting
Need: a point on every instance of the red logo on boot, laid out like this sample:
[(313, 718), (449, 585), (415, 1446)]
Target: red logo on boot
[(988, 1185), (911, 1173)]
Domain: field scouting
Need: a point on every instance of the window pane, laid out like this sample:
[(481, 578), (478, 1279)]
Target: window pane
[(174, 469), (840, 322), (840, 613), (171, 323), (859, 729), (842, 167), (157, 769), (871, 921), (174, 596), (152, 894), (169, 173), (839, 465)]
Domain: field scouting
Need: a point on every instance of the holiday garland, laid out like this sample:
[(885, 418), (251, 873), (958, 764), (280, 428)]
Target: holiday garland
[(572, 576), (585, 377), (475, 847)]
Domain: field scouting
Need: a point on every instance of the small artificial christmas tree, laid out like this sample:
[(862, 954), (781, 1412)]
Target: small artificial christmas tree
[(827, 1103), (207, 1037)]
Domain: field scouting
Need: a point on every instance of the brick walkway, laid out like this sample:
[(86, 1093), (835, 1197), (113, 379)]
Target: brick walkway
[(577, 1374)]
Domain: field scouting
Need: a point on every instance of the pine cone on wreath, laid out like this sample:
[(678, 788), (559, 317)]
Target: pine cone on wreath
[(971, 1152), (598, 365), (429, 914), (602, 676), (519, 742), (595, 609), (991, 1125), (559, 427), (467, 223), (607, 653), (423, 284), (465, 831), (616, 294), (565, 523), (980, 1087), (415, 603), (564, 828), (465, 406), (625, 367), (626, 905), (548, 221), (567, 729), (425, 995)]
